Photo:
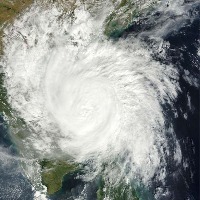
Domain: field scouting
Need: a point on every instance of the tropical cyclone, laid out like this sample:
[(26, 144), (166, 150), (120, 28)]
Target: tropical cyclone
[(83, 102), (89, 99)]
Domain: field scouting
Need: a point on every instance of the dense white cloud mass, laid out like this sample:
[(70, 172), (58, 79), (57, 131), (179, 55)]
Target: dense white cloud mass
[(89, 98)]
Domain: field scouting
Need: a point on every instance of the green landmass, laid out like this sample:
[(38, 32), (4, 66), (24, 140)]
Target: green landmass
[(125, 14), (53, 172), (4, 105), (14, 123), (119, 192), (9, 10)]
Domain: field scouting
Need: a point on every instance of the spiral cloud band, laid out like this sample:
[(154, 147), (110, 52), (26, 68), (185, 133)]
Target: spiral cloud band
[(84, 104), (88, 98)]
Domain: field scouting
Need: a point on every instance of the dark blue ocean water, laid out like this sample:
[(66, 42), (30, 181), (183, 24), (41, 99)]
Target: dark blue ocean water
[(183, 55)]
